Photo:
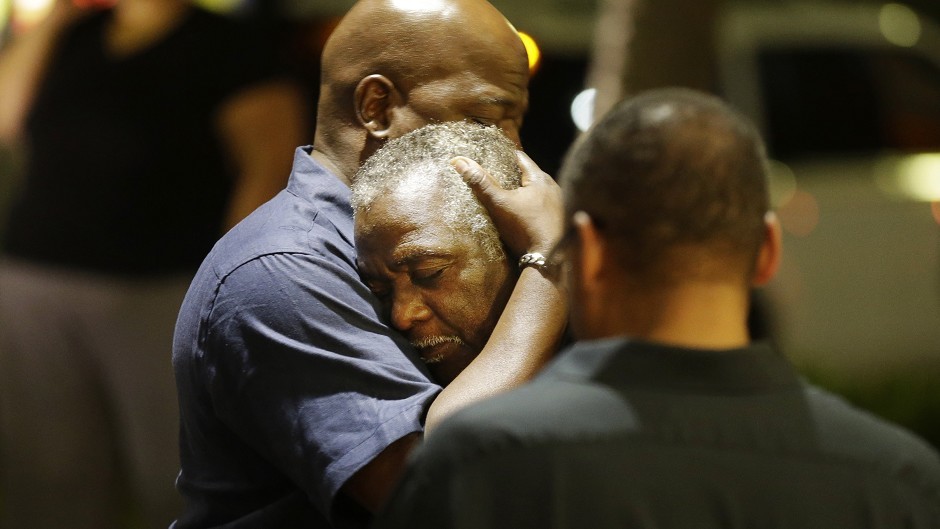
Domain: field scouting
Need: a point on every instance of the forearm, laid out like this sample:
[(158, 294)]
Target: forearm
[(525, 338), (22, 65)]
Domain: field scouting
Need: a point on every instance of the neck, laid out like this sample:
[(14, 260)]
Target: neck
[(701, 315), (330, 164), (339, 147)]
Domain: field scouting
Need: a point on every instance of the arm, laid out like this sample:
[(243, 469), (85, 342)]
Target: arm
[(22, 66), (529, 219), (260, 128)]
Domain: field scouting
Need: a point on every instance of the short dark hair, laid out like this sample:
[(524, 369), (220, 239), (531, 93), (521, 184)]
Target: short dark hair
[(671, 170)]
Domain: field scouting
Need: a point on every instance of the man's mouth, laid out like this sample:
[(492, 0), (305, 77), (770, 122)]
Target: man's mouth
[(426, 346)]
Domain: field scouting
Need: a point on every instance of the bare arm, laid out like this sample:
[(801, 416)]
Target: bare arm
[(372, 485), (529, 219), (22, 65), (261, 127)]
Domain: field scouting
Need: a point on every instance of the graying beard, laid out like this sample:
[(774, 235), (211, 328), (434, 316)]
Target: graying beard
[(431, 341)]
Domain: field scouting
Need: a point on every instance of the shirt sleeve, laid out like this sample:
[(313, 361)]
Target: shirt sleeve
[(425, 497), (299, 366)]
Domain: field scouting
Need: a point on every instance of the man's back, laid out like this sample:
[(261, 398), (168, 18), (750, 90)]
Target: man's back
[(280, 407), (621, 433)]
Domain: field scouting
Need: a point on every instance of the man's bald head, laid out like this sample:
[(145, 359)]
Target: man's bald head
[(410, 40), (392, 66)]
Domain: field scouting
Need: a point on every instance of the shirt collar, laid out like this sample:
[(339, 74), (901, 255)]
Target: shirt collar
[(312, 182), (637, 364)]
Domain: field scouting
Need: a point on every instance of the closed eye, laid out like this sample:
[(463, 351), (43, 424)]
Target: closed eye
[(427, 277), (379, 290), (486, 122)]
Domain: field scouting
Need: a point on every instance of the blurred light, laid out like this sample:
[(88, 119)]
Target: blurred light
[(782, 183), (920, 176), (96, 4), (220, 6), (582, 109), (28, 13), (4, 18), (899, 25), (532, 50), (915, 177), (800, 215)]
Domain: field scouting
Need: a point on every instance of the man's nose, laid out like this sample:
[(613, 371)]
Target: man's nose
[(407, 310)]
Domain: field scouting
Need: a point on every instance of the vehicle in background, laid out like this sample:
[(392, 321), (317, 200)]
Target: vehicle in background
[(848, 98)]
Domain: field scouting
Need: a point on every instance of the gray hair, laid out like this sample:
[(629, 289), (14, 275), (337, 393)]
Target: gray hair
[(420, 160)]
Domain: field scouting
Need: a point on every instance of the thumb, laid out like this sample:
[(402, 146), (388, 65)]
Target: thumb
[(482, 184)]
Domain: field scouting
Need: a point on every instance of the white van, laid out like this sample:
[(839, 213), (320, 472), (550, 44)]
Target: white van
[(848, 97)]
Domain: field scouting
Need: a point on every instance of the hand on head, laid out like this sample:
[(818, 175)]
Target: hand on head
[(529, 218)]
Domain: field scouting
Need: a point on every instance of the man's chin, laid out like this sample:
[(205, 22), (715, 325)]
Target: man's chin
[(445, 360)]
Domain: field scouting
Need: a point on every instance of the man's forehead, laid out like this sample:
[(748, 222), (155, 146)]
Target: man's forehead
[(411, 202), (421, 247)]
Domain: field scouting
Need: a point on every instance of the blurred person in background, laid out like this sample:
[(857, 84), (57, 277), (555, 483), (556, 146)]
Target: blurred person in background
[(148, 128)]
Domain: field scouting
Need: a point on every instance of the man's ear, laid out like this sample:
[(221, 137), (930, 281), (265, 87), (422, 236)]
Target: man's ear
[(771, 251), (373, 99), (592, 248)]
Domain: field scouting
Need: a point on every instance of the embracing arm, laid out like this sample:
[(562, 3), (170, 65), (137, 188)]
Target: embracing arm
[(22, 65), (529, 219)]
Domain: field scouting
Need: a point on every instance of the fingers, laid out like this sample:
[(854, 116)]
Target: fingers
[(530, 170), (483, 185)]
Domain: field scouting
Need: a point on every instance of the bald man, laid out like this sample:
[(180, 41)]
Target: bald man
[(298, 403)]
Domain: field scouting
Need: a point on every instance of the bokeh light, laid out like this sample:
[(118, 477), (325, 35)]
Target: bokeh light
[(782, 183), (920, 176), (899, 25), (27, 13), (221, 6), (4, 18), (914, 177), (582, 109), (799, 216), (532, 50)]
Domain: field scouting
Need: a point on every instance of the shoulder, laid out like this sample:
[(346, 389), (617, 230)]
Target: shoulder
[(849, 433), (285, 225), (286, 266), (549, 410)]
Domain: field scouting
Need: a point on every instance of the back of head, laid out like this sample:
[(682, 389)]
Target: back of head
[(676, 181), (418, 162)]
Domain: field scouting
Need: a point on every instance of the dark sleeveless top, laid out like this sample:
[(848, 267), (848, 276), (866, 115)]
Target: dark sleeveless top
[(125, 172)]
